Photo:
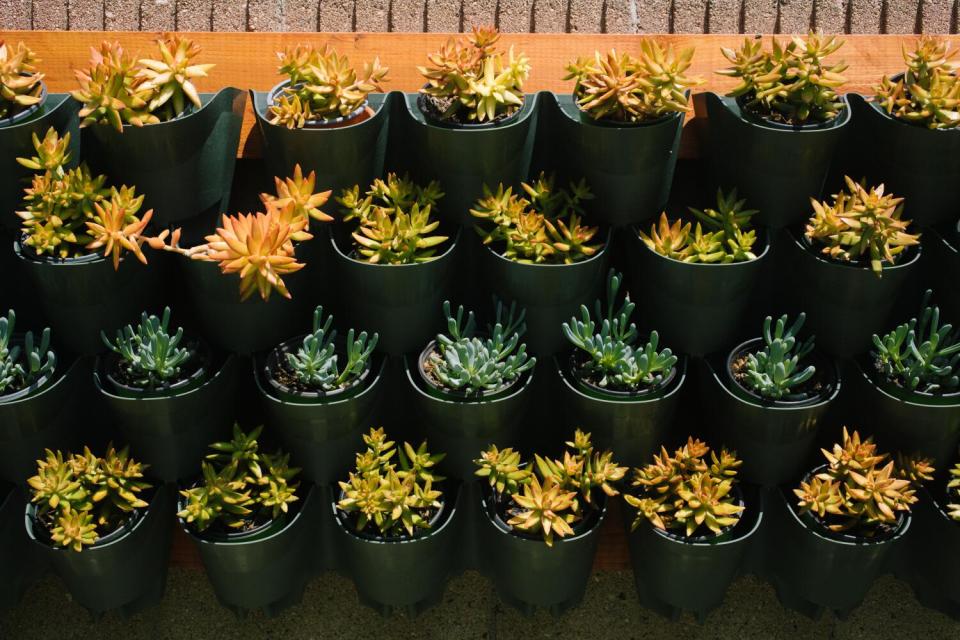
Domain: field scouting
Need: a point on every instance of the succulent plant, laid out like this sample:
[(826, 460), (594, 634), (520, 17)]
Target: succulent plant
[(861, 224), (921, 354), (472, 365), (789, 83), (686, 493), (776, 370), (21, 84), (242, 487), (83, 497), (859, 491), (22, 367), (393, 220), (149, 355), (502, 469), (297, 199), (546, 226), (314, 365), (394, 497), (928, 93), (624, 88), (322, 85), (469, 81), (953, 493), (614, 360)]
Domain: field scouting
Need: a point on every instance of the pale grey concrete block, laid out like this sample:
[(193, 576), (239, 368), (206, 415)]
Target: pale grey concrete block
[(689, 16), (653, 16), (759, 16), (937, 16), (619, 16), (371, 15), (443, 16), (723, 16), (513, 16), (83, 15), (586, 16), (16, 14), (194, 15), (903, 16), (49, 14), (795, 16), (300, 15), (229, 15), (158, 15), (830, 16), (479, 13), (265, 15), (407, 15), (549, 16), (866, 16), (121, 15), (336, 15)]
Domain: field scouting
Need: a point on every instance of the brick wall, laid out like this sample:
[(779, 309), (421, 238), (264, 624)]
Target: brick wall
[(612, 16)]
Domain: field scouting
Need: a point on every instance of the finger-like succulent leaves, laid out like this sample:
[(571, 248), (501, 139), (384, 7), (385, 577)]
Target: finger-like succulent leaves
[(314, 365), (150, 355), (860, 491), (953, 493), (921, 354), (20, 81), (685, 492), (775, 371), (474, 80), (790, 82), (928, 92), (624, 88), (861, 225), (23, 364)]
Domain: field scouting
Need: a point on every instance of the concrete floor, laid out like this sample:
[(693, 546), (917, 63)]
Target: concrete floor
[(471, 610)]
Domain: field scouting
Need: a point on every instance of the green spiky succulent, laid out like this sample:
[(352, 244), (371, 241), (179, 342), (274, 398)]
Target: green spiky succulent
[(150, 356), (21, 84), (928, 93), (776, 370), (315, 364), (23, 366)]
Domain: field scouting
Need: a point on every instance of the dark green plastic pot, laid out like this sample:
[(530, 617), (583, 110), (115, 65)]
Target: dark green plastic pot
[(322, 435), (942, 258), (342, 156), (673, 574), (461, 427), (406, 574), (44, 419), (774, 439), (812, 572), (16, 141), (82, 296), (932, 559), (629, 168), (257, 572), (912, 161), (126, 572), (400, 302), (550, 293), (902, 420), (632, 427), (845, 303), (183, 166), (172, 433), (696, 308), (20, 562), (777, 168)]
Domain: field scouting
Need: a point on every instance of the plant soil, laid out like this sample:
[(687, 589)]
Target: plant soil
[(429, 372), (431, 515), (775, 116), (122, 372), (505, 508), (436, 108), (812, 388), (46, 523), (899, 382), (579, 367), (286, 377), (863, 261)]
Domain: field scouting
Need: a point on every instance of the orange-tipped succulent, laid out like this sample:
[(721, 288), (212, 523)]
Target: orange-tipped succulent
[(20, 82), (295, 199), (116, 230)]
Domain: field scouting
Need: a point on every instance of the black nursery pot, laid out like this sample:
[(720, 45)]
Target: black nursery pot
[(905, 420), (696, 308), (846, 303), (631, 424), (676, 574), (773, 438), (321, 433), (184, 166), (398, 301), (170, 430), (942, 247), (265, 568), (932, 564), (405, 573), (20, 561), (776, 167), (550, 293), (463, 426), (125, 570)]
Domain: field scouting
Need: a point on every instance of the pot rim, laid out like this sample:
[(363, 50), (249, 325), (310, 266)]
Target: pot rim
[(716, 372), (511, 119), (668, 389), (224, 360), (61, 373), (318, 124), (758, 400), (868, 100), (763, 233), (444, 517), (588, 120), (376, 374), (503, 392), (486, 493), (305, 497), (21, 117), (526, 379), (912, 398), (736, 533), (808, 249), (289, 345), (452, 243), (747, 116), (29, 255), (599, 255)]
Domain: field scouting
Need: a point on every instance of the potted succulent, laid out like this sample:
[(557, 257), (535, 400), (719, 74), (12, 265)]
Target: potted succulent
[(68, 215), (692, 526), (156, 383), (830, 537), (698, 276), (540, 253), (849, 263), (785, 105), (626, 388), (621, 127), (247, 514), (915, 113), (23, 91), (471, 389), (102, 527), (317, 393), (324, 104), (909, 385), (769, 397), (541, 521), (473, 116), (396, 255), (145, 123), (397, 525), (20, 561)]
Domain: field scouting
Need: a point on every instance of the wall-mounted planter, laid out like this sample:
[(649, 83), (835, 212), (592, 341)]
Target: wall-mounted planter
[(184, 166), (750, 154), (20, 561), (632, 426), (942, 257), (932, 559), (696, 308), (126, 571)]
